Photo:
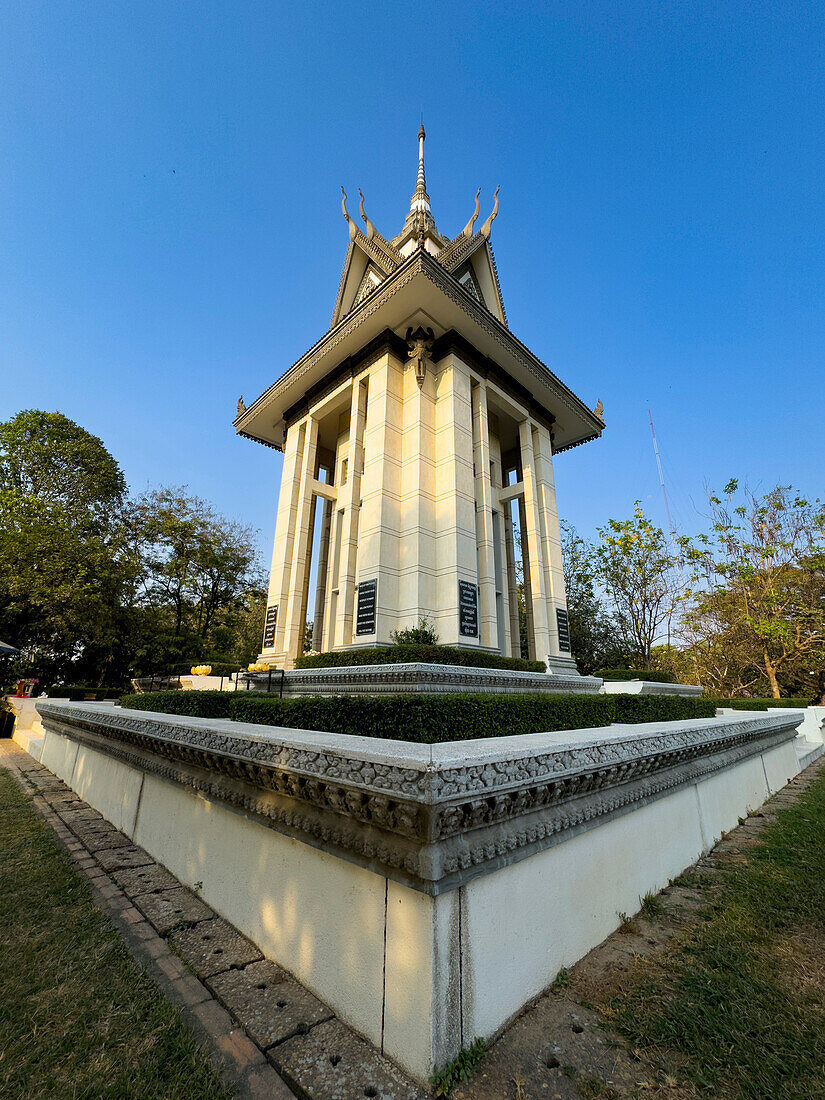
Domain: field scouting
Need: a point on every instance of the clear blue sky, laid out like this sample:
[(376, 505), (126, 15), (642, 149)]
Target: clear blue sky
[(171, 237)]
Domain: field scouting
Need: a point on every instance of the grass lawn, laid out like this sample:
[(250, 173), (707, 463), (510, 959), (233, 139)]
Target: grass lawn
[(737, 1010), (77, 1017)]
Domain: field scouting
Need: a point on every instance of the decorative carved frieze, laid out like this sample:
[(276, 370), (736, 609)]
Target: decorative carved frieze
[(430, 816), (419, 677)]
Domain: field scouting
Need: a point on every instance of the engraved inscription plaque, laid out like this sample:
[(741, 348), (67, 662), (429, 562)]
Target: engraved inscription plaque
[(365, 614), (564, 629), (269, 625), (467, 609)]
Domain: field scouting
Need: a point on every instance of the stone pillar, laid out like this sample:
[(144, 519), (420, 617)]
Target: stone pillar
[(456, 554), (512, 589), (285, 527), (532, 536), (556, 596), (488, 622), (380, 490), (295, 617), (349, 498), (417, 520), (323, 572)]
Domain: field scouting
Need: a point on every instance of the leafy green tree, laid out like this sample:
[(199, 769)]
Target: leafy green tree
[(595, 638), (637, 572), (760, 588), (238, 632), (198, 569), (66, 567)]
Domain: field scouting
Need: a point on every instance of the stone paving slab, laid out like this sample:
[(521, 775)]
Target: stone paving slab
[(79, 816), (62, 798), (144, 880), (268, 1002), (168, 909), (333, 1063), (213, 946), (114, 859), (89, 826), (102, 840)]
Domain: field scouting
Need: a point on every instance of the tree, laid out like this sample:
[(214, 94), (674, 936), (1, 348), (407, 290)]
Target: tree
[(760, 576), (594, 635), (637, 572), (65, 562), (199, 569), (236, 638)]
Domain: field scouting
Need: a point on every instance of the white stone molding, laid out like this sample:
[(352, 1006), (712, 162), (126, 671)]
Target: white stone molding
[(432, 817)]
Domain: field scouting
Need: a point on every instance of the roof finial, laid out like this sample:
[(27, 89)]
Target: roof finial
[(488, 225), (353, 228), (367, 222), (467, 231), (420, 199)]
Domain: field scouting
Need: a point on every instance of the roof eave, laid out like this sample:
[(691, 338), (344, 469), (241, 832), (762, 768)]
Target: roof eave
[(429, 267)]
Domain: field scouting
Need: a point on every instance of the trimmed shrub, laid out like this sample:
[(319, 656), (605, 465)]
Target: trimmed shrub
[(429, 654), (636, 674), (197, 704), (429, 719), (80, 694)]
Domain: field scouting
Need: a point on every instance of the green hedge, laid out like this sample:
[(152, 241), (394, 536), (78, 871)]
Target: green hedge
[(429, 654), (636, 674), (428, 718), (198, 704), (79, 694)]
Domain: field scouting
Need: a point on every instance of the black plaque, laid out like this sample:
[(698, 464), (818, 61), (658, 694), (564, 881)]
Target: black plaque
[(467, 609), (365, 614), (269, 625), (564, 629)]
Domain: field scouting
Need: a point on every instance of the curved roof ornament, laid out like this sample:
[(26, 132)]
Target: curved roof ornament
[(367, 222), (467, 231), (353, 228), (488, 225)]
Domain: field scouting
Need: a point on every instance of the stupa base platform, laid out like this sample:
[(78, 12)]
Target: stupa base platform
[(427, 679)]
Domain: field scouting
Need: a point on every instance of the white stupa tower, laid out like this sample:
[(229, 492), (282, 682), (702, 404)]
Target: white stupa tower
[(418, 433)]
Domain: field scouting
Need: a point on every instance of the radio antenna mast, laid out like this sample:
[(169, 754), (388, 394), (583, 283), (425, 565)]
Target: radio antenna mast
[(662, 483)]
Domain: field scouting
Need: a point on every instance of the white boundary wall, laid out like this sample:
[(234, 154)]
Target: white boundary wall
[(418, 975)]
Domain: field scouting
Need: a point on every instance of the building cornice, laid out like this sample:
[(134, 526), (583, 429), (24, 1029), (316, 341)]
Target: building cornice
[(421, 263)]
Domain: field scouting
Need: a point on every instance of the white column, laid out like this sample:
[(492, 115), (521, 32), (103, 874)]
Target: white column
[(533, 537), (295, 617), (511, 587), (556, 596), (488, 623), (350, 499), (454, 502), (380, 491), (318, 628), (416, 505), (285, 524)]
